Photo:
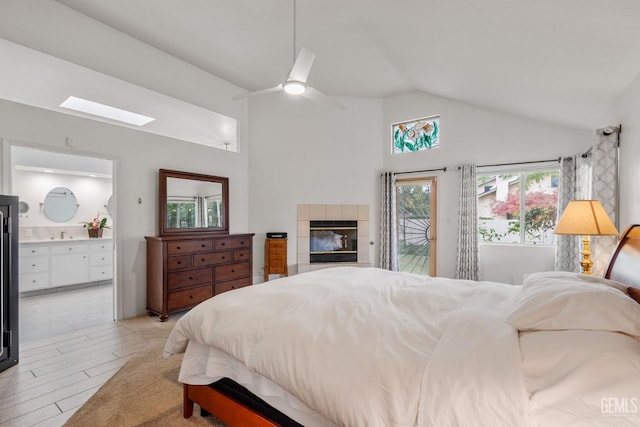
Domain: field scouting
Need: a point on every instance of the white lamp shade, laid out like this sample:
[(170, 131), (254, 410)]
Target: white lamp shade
[(587, 218)]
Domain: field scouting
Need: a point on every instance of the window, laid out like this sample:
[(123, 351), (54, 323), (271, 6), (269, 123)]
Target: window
[(503, 196), (416, 135)]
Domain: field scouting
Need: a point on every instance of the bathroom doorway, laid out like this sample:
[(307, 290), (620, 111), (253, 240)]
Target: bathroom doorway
[(66, 278)]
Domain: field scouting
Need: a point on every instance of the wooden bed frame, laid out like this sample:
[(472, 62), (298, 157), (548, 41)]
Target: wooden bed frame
[(238, 407)]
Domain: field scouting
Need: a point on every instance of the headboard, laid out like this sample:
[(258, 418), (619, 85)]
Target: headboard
[(624, 265)]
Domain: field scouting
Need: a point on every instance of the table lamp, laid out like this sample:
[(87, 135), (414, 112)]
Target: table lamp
[(585, 218)]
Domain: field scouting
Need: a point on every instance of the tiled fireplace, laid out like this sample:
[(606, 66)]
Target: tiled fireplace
[(332, 235)]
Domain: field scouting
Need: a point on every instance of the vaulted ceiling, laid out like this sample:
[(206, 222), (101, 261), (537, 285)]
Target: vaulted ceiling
[(564, 61), (561, 61)]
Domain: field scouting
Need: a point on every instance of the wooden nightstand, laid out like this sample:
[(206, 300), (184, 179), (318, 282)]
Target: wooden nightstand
[(275, 257)]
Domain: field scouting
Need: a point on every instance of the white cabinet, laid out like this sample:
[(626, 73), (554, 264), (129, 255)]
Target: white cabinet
[(34, 268), (101, 256), (69, 264), (61, 263)]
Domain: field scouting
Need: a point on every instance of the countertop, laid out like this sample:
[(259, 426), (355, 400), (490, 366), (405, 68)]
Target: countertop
[(65, 240)]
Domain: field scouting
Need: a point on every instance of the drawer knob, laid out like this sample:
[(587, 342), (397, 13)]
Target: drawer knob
[(179, 262), (178, 247), (190, 296), (190, 278), (33, 281), (222, 244), (233, 287), (33, 265), (203, 245), (233, 271), (33, 251), (202, 259), (224, 257)]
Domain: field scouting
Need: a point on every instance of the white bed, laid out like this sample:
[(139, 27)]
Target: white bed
[(358, 346)]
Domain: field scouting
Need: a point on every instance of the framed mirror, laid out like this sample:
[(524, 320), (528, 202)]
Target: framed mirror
[(192, 202), (60, 204)]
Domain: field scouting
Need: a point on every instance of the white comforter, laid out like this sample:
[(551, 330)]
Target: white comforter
[(368, 347)]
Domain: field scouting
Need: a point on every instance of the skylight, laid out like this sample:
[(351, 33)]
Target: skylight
[(106, 111)]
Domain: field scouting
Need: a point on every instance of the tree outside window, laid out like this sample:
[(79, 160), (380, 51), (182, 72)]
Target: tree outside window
[(501, 201)]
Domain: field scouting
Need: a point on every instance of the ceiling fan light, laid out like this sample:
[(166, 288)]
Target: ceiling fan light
[(294, 87)]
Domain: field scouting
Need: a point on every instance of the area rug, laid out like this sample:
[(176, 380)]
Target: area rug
[(144, 392)]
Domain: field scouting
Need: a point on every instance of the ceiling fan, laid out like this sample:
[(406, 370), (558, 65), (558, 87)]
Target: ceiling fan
[(296, 81)]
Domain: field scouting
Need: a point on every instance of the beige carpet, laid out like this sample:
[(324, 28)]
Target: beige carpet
[(145, 391)]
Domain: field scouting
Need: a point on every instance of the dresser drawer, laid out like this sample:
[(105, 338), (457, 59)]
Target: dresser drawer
[(233, 242), (183, 279), (241, 255), (188, 246), (101, 272), (34, 264), (33, 281), (69, 249), (102, 258), (212, 258), (27, 251), (231, 284), (277, 261), (189, 297), (179, 262), (232, 271), (278, 244)]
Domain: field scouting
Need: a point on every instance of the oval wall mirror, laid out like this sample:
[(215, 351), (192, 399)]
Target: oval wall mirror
[(60, 204), (109, 206)]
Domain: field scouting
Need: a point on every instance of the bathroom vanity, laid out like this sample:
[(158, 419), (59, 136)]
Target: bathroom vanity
[(54, 263)]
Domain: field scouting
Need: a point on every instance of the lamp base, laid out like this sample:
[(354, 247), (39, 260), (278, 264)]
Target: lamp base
[(586, 262)]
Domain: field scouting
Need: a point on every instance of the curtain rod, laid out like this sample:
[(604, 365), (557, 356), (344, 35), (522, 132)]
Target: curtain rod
[(444, 169), (557, 159)]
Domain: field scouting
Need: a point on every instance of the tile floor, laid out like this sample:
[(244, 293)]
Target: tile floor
[(57, 313)]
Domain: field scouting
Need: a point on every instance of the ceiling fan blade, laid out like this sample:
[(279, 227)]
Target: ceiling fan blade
[(259, 92), (302, 66), (317, 96)]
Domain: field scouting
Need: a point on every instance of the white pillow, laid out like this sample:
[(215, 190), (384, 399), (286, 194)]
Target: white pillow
[(555, 301)]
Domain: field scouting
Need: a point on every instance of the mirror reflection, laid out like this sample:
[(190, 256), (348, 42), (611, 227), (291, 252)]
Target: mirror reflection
[(194, 204)]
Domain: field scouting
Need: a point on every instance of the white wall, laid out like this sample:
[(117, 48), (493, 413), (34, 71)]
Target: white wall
[(629, 113), (471, 134), (92, 194), (306, 153), (137, 155)]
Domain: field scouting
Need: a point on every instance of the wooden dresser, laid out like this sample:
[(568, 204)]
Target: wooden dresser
[(275, 257), (185, 270)]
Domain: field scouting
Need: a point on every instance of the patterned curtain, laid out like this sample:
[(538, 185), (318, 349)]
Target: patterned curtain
[(467, 266), (567, 246), (388, 223), (604, 185)]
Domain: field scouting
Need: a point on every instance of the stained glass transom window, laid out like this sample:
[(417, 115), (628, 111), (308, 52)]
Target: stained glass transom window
[(416, 135)]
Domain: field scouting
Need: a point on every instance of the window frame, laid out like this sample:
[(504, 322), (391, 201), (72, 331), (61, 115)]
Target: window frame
[(520, 169)]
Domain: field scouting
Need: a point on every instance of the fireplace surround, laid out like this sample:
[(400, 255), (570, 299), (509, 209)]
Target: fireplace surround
[(332, 235)]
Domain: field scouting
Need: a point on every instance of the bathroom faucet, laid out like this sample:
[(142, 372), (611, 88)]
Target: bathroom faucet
[(62, 234)]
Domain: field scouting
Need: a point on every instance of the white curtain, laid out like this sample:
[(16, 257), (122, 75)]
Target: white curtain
[(604, 187), (467, 266), (388, 223)]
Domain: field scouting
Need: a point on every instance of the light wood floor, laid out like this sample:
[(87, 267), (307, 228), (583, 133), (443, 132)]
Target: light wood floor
[(56, 375)]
